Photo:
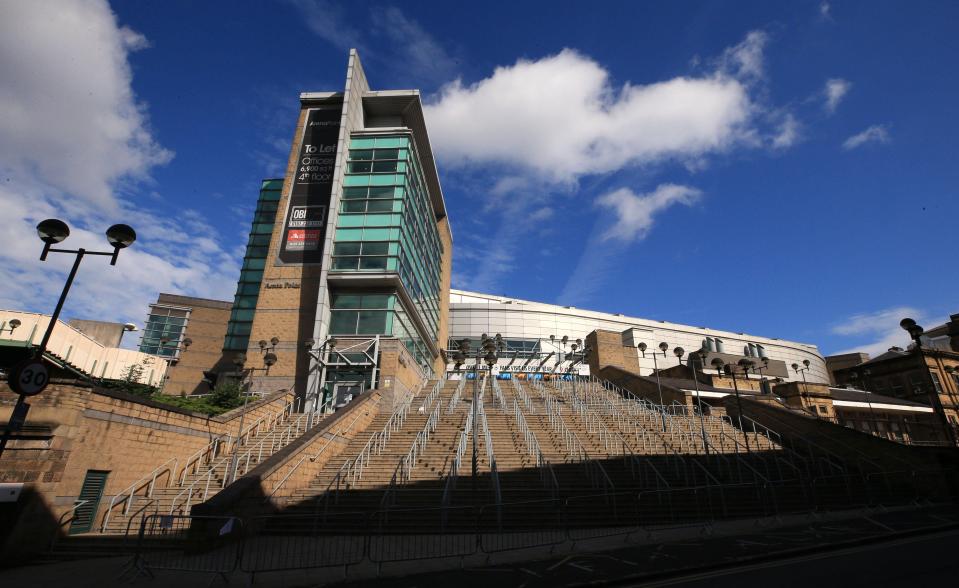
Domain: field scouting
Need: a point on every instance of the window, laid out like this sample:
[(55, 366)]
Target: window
[(935, 382), (895, 385), (361, 314), (915, 383)]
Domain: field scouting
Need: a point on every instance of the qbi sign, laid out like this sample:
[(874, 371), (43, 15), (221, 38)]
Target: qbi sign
[(312, 183)]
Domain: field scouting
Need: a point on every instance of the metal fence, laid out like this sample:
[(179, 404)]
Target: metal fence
[(285, 542), (210, 544)]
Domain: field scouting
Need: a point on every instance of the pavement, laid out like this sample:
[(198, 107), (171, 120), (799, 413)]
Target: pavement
[(911, 547), (876, 548)]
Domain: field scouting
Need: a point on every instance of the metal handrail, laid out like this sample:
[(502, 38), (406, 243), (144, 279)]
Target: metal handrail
[(60, 522), (498, 394), (647, 410), (207, 478), (314, 457), (574, 447), (454, 401), (434, 393), (129, 492), (353, 467), (273, 419), (210, 452), (547, 475), (523, 396), (404, 468), (488, 440), (276, 443), (457, 459)]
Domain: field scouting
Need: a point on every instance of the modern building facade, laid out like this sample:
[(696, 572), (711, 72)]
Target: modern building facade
[(528, 326), (189, 332), (251, 273), (355, 282)]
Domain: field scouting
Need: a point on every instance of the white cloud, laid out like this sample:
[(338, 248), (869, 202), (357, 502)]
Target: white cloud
[(874, 134), (326, 21), (635, 212), (825, 11), (560, 117), (835, 90), (72, 134), (67, 111), (421, 55), (543, 213), (881, 327), (746, 60), (411, 50), (787, 134)]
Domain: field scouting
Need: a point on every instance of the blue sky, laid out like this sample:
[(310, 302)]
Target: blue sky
[(783, 169)]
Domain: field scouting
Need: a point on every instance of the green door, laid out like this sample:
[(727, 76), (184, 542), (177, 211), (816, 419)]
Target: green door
[(91, 492)]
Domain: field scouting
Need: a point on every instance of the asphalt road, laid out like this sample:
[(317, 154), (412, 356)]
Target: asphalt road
[(887, 549)]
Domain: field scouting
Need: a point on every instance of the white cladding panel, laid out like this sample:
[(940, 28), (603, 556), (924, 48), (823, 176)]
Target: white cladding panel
[(472, 314)]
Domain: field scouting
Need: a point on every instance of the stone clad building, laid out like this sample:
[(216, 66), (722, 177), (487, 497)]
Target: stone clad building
[(189, 332), (361, 252)]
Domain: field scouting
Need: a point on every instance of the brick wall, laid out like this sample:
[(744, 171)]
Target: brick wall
[(207, 329), (607, 349), (75, 428)]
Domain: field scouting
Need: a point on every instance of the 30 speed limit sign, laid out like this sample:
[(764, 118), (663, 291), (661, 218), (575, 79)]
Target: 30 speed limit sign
[(29, 377)]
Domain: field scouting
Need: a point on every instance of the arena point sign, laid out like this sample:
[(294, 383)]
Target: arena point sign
[(312, 184)]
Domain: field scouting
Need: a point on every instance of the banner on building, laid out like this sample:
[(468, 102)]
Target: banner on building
[(312, 184)]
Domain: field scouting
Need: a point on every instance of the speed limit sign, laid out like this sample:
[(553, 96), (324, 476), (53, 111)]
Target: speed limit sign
[(29, 377)]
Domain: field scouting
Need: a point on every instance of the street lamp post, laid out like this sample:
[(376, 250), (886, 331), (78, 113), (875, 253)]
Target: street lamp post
[(52, 232), (802, 371), (854, 376), (487, 352), (744, 363), (678, 352), (269, 360), (659, 386), (915, 332)]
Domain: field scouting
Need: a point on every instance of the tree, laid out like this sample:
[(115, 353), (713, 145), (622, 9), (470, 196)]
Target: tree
[(129, 381), (227, 394)]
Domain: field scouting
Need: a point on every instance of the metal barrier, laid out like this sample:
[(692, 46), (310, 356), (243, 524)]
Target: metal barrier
[(286, 542), (290, 542), (209, 544), (520, 525), (421, 533), (601, 515)]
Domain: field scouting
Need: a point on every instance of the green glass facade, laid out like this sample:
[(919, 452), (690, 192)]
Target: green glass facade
[(386, 224), (251, 273), (165, 323)]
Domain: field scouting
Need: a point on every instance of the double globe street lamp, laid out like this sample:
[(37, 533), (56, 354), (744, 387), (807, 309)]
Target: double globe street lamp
[(30, 377)]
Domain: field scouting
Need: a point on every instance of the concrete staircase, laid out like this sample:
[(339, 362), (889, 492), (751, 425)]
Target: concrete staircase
[(203, 477), (594, 440)]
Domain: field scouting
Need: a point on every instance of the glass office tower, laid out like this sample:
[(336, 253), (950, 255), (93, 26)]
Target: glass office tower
[(386, 224), (360, 250), (251, 273)]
